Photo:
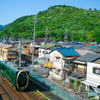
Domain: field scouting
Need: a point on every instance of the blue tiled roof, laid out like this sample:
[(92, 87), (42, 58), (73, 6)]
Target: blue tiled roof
[(67, 51), (92, 46)]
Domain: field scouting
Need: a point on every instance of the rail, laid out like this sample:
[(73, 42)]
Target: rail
[(6, 91), (31, 95)]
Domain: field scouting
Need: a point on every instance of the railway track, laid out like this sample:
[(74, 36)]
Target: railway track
[(4, 94), (29, 95), (16, 95)]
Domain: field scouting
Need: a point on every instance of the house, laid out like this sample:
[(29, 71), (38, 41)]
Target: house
[(6, 41), (96, 50), (42, 41), (82, 52), (62, 61), (0, 41), (49, 47), (88, 44), (92, 77), (13, 40), (79, 71), (25, 47), (75, 45), (36, 49), (8, 52), (80, 63), (37, 44)]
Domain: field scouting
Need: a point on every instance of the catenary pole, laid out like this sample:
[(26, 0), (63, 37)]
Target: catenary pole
[(19, 53), (32, 68), (46, 42)]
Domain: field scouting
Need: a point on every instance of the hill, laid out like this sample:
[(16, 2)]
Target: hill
[(82, 25), (3, 26)]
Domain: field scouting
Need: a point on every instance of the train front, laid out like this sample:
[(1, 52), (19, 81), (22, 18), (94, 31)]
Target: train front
[(22, 80)]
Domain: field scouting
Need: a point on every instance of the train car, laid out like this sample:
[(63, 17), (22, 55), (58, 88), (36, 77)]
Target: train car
[(17, 76)]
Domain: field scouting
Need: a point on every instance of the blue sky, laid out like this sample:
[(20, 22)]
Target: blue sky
[(10, 10)]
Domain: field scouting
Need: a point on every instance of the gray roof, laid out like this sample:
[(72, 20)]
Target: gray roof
[(78, 46), (83, 52), (89, 57), (26, 41), (97, 50)]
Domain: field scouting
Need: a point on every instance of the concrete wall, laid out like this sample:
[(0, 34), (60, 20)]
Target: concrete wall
[(41, 54), (90, 75), (56, 64)]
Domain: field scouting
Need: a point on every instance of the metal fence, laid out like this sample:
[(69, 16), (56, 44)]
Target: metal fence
[(56, 91)]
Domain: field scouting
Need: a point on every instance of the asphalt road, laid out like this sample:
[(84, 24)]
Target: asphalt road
[(42, 72)]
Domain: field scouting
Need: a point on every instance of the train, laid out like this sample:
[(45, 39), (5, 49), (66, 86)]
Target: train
[(15, 75)]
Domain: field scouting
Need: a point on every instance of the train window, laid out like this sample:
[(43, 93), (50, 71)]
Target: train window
[(3, 67), (8, 73)]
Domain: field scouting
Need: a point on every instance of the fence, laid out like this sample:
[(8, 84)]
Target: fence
[(56, 91)]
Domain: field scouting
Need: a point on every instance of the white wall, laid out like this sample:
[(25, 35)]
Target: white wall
[(90, 75), (41, 54), (56, 64)]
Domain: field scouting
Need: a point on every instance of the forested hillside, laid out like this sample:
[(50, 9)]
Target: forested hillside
[(82, 25), (3, 26)]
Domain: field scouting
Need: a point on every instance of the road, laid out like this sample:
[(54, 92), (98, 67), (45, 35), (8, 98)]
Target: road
[(42, 72)]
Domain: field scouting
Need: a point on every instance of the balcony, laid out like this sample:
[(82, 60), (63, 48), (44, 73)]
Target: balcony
[(12, 56), (79, 71), (67, 67)]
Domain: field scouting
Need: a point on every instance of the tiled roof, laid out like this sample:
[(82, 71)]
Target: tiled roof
[(26, 41), (92, 46), (5, 46), (95, 49), (67, 52), (87, 44), (42, 40), (89, 57), (83, 52), (49, 45)]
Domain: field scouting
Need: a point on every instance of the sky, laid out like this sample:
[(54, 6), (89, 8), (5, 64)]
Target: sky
[(10, 10)]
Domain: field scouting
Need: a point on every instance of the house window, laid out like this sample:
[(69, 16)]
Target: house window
[(40, 51), (47, 52), (71, 62), (13, 52), (96, 71), (58, 59), (66, 62), (24, 46), (43, 52)]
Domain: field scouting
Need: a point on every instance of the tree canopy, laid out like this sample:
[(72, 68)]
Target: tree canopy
[(83, 25)]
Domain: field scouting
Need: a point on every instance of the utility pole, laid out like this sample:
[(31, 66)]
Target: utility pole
[(45, 43), (66, 36), (10, 36), (32, 68), (19, 53), (53, 39)]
